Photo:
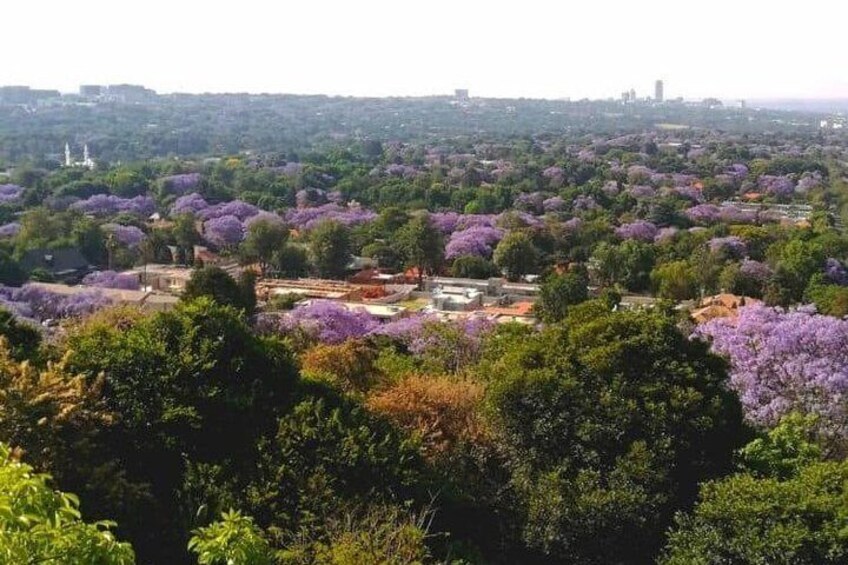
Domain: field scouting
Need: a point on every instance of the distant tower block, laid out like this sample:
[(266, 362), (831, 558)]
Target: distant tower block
[(658, 91), (461, 94)]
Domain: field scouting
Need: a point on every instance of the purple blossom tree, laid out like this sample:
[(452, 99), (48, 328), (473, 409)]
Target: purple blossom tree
[(10, 193), (780, 186), (322, 320), (182, 183), (785, 361), (641, 192), (755, 270), (553, 204), (224, 231), (531, 202), (189, 204), (835, 272), (639, 230), (477, 240), (112, 279), (730, 245), (128, 236), (10, 230)]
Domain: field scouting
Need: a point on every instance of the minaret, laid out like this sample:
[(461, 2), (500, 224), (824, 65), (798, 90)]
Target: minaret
[(86, 157), (67, 155)]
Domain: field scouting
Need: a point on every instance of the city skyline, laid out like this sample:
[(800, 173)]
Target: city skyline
[(374, 48)]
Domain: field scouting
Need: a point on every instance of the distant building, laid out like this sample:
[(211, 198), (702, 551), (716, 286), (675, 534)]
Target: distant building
[(461, 94), (87, 162), (65, 264), (90, 90), (129, 93), (658, 91), (633, 95), (14, 95)]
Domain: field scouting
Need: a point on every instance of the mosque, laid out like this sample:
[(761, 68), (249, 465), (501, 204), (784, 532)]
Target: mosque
[(86, 162)]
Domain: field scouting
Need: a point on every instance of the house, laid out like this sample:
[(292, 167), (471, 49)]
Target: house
[(724, 305), (65, 264)]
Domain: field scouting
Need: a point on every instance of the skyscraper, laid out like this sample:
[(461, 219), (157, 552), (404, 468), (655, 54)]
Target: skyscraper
[(658, 91)]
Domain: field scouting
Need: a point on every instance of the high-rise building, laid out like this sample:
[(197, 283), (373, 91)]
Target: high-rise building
[(90, 90), (461, 94), (658, 91)]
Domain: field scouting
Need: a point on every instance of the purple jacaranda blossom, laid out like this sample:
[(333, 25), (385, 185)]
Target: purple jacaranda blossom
[(572, 225), (10, 193), (224, 231), (835, 272), (703, 214), (181, 183), (323, 320), (10, 230), (808, 182), (640, 191), (46, 305), (128, 236), (584, 203), (730, 245), (238, 208), (639, 230), (476, 240), (738, 171), (109, 205), (785, 361), (189, 204), (553, 204), (755, 270), (403, 171), (531, 202), (308, 218), (112, 279), (689, 192), (264, 216), (445, 222), (776, 185)]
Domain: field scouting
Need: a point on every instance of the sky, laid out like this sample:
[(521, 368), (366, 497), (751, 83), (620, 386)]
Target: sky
[(730, 49)]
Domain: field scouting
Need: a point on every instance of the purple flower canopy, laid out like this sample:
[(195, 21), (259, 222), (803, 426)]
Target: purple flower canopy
[(10, 193), (553, 204), (756, 270), (35, 303), (239, 209), (224, 231), (309, 218), (129, 236), (835, 272), (112, 279), (476, 240), (638, 230), (10, 230), (182, 183), (109, 205), (776, 185), (189, 204), (784, 361), (732, 245)]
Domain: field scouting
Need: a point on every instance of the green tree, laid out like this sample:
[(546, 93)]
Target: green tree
[(263, 240), (330, 249), (233, 539), (675, 281), (610, 421), (516, 255), (41, 525), (217, 284), (291, 261), (422, 246), (745, 519), (559, 292), (474, 267), (185, 234)]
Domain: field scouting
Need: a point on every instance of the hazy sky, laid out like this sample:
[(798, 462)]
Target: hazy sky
[(532, 48)]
